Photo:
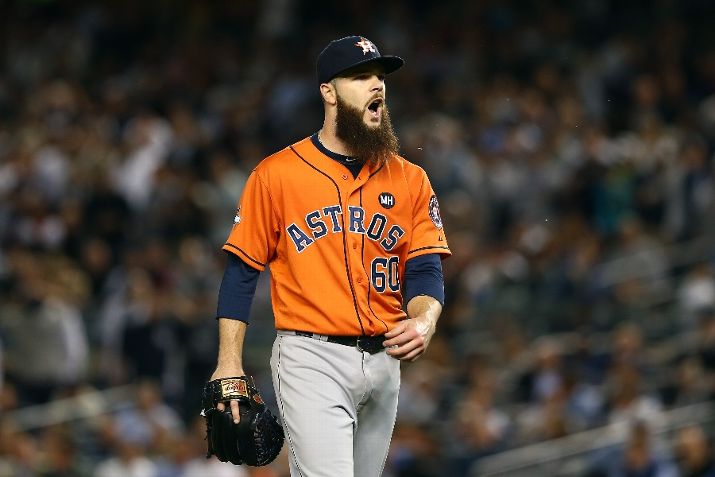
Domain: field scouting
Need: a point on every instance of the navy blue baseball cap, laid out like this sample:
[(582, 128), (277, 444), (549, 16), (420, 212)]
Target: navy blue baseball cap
[(345, 53)]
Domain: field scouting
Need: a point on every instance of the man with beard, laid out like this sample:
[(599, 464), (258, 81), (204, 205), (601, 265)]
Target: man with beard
[(352, 233)]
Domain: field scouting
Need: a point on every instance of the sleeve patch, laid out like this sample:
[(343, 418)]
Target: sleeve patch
[(434, 212), (237, 218)]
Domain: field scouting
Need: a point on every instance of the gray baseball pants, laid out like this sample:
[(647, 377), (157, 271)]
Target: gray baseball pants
[(338, 406)]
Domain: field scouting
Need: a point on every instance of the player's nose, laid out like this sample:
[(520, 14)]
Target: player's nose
[(378, 83)]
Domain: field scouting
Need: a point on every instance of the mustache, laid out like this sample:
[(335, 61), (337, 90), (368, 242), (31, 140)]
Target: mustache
[(375, 97)]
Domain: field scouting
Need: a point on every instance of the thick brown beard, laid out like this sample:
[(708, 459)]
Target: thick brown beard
[(372, 145)]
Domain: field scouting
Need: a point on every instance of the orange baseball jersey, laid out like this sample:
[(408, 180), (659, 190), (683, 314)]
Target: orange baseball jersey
[(336, 244)]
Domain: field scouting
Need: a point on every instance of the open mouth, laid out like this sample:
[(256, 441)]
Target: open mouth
[(375, 107)]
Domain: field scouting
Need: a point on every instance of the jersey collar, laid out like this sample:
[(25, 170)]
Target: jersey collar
[(323, 160), (342, 159)]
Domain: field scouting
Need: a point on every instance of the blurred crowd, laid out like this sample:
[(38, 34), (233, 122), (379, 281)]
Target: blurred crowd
[(571, 145)]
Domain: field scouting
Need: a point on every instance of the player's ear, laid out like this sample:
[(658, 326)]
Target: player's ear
[(327, 91)]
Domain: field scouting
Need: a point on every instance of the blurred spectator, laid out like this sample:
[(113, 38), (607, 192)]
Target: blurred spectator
[(18, 451), (628, 402), (413, 453), (149, 336), (103, 214), (639, 457), (147, 142), (638, 267), (480, 428), (544, 377), (705, 340), (696, 294), (693, 195), (61, 458), (8, 397), (44, 322), (139, 327), (689, 386), (627, 347), (422, 393), (694, 453), (129, 460), (149, 422)]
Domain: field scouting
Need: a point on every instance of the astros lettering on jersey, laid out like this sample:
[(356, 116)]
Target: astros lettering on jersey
[(336, 245)]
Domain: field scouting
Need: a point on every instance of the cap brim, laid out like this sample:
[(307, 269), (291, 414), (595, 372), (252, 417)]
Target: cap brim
[(390, 63)]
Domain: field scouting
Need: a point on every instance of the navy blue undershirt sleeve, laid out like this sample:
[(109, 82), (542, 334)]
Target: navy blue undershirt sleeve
[(237, 289), (423, 276)]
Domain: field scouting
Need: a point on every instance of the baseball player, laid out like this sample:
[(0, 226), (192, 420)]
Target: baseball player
[(353, 237)]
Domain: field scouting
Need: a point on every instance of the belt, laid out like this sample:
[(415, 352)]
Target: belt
[(368, 344)]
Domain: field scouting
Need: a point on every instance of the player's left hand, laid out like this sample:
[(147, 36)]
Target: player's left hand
[(410, 339)]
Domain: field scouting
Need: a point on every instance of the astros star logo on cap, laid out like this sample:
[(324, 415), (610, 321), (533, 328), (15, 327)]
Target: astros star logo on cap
[(366, 45)]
